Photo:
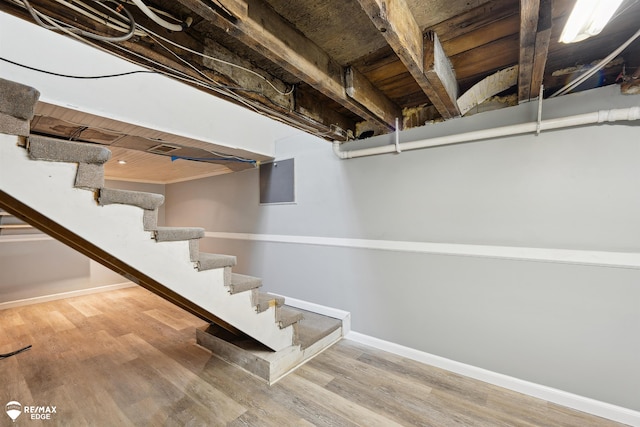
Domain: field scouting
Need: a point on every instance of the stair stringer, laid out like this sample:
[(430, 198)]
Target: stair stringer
[(48, 187)]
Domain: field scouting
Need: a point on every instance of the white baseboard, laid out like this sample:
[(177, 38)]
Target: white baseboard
[(345, 316), (570, 400), (62, 295), (25, 238)]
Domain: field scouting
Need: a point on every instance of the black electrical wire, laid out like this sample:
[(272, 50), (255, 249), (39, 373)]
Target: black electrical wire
[(107, 76), (13, 353), (69, 76), (212, 159)]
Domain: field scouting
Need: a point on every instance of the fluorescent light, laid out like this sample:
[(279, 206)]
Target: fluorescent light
[(587, 19)]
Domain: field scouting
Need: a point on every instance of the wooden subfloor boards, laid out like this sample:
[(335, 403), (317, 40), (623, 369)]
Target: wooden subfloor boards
[(129, 358)]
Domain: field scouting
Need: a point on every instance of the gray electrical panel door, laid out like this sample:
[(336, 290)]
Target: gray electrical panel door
[(277, 182)]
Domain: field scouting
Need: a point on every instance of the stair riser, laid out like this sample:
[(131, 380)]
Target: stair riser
[(194, 250), (265, 305), (150, 219), (90, 176), (13, 126)]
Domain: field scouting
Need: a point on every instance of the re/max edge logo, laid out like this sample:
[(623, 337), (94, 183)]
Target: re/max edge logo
[(35, 412)]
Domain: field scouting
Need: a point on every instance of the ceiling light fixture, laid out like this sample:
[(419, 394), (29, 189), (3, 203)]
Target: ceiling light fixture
[(587, 19)]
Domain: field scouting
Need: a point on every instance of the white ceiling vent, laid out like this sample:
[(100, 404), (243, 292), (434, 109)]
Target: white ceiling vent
[(163, 149)]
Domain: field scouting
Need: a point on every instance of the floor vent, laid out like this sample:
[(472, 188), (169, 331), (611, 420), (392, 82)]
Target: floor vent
[(163, 149)]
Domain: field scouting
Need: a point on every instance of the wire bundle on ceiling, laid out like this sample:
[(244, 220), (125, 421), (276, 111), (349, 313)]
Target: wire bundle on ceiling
[(158, 20), (53, 24), (131, 28), (125, 23)]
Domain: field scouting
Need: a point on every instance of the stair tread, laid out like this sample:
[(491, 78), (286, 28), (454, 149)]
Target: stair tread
[(241, 283), (149, 201), (52, 149), (207, 261), (266, 300), (172, 234), (287, 316), (313, 327)]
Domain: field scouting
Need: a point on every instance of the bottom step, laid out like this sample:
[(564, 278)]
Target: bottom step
[(315, 333)]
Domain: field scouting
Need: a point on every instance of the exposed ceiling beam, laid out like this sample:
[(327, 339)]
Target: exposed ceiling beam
[(361, 89), (432, 72), (258, 26), (440, 74), (543, 37), (243, 73), (535, 32), (528, 26), (312, 109)]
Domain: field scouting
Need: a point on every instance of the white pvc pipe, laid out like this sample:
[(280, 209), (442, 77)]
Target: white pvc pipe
[(151, 14), (602, 116)]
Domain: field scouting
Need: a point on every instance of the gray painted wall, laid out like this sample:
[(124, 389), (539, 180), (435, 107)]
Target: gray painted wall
[(572, 327), (30, 269)]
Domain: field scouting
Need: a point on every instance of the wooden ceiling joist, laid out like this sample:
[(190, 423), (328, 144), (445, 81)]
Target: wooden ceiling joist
[(249, 77), (433, 71), (535, 33), (543, 38), (310, 108), (258, 26), (361, 89), (440, 74)]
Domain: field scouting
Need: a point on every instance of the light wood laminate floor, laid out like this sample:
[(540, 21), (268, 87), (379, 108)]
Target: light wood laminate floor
[(127, 357)]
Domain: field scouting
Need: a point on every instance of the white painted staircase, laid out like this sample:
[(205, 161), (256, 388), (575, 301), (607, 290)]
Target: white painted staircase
[(59, 186)]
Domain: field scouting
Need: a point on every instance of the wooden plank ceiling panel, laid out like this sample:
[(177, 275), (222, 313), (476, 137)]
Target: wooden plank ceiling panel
[(153, 168), (329, 32), (428, 14), (498, 54), (479, 37), (475, 18)]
